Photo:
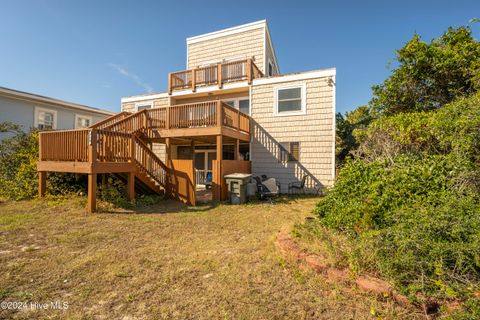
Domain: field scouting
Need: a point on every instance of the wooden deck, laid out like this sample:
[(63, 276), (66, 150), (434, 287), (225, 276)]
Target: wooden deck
[(215, 74), (119, 144)]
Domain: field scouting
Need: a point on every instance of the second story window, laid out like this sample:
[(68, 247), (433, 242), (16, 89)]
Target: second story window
[(82, 121), (143, 105), (45, 119), (289, 100), (270, 68)]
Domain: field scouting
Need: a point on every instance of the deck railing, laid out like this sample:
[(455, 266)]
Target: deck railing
[(216, 74), (149, 163), (110, 120), (115, 142), (65, 145), (113, 146)]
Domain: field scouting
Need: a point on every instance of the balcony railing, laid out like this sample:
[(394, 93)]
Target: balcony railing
[(218, 74)]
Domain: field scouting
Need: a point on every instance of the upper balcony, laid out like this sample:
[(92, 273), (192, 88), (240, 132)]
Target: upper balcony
[(215, 74)]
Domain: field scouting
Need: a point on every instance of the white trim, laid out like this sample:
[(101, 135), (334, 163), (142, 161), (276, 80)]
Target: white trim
[(50, 101), (227, 32), (251, 136), (145, 97), (84, 116), (38, 110), (334, 129), (303, 97), (144, 103), (226, 86), (296, 76), (273, 49), (265, 51)]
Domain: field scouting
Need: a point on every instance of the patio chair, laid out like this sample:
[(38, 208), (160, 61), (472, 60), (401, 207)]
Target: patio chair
[(297, 185), (267, 189), (208, 181)]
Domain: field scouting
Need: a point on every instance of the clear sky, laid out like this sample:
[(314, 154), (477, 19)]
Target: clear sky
[(95, 52)]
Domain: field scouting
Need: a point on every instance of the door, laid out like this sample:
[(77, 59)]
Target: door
[(203, 164)]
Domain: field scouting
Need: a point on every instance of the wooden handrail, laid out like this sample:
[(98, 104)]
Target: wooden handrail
[(148, 162), (110, 120), (215, 74)]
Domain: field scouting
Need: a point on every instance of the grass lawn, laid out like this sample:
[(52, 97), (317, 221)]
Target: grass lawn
[(166, 261)]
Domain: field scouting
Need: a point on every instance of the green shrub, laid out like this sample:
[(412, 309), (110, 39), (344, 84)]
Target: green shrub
[(18, 168), (410, 202), (409, 224)]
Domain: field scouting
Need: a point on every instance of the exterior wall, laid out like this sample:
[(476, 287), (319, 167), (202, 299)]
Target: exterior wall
[(22, 112), (314, 130), (157, 103), (240, 45), (269, 56)]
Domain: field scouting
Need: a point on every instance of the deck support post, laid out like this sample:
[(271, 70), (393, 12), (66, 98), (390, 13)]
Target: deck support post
[(168, 152), (194, 80), (236, 151), (131, 186), (219, 115), (92, 193), (219, 76), (42, 183), (217, 183), (249, 70)]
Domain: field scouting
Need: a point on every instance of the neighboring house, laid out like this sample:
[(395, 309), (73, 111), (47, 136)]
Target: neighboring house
[(293, 115), (35, 111), (230, 111)]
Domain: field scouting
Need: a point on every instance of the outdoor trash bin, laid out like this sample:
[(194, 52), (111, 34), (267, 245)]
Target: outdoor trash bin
[(237, 187)]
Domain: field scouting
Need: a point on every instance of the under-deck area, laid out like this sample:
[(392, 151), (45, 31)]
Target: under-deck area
[(123, 144)]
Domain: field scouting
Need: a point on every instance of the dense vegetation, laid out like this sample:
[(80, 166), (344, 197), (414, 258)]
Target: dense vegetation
[(408, 191)]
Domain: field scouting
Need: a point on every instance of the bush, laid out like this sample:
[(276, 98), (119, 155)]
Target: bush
[(18, 168), (410, 202), (408, 223)]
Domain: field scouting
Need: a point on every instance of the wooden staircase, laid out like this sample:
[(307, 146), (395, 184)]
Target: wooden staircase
[(119, 145)]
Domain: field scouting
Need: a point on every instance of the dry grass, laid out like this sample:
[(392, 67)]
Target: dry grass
[(166, 262)]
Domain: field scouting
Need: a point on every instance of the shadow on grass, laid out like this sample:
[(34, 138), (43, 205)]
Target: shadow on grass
[(162, 205)]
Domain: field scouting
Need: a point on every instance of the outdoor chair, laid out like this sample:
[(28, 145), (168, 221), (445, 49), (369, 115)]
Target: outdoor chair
[(268, 189), (208, 181), (297, 185)]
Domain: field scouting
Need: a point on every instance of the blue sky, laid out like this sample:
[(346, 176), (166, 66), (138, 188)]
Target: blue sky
[(95, 52)]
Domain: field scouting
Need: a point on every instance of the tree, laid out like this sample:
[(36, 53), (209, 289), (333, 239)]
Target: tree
[(355, 120), (430, 75)]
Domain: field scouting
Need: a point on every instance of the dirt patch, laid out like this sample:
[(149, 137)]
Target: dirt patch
[(332, 274)]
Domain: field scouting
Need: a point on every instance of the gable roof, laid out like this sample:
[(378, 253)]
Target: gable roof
[(43, 99)]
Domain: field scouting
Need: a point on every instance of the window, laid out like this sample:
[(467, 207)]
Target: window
[(45, 119), (82, 121), (270, 68), (289, 100), (243, 104), (289, 151), (143, 105)]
